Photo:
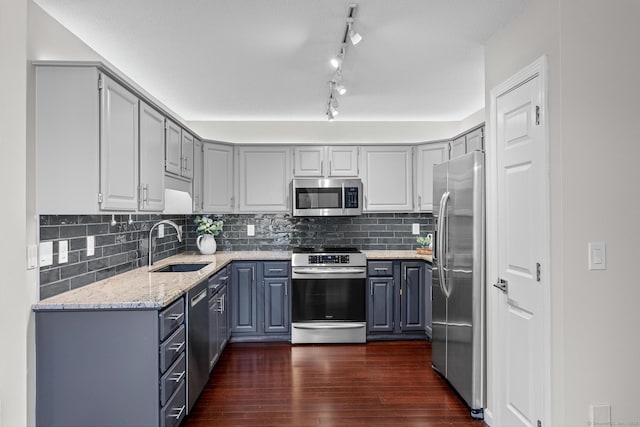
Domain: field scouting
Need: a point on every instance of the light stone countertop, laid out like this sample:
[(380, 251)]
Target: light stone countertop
[(142, 288)]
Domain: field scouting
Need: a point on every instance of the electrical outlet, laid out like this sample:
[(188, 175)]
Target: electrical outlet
[(46, 254), (161, 231), (91, 245), (597, 256), (63, 251), (32, 256), (251, 230), (600, 415), (415, 228)]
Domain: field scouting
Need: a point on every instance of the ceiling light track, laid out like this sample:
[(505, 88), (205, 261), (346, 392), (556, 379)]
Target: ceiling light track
[(336, 87)]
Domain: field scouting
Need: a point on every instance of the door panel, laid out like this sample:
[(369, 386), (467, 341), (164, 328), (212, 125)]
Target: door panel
[(439, 300)]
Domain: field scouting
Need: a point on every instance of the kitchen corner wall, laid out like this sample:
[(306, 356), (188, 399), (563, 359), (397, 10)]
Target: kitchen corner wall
[(124, 246), (118, 248), (388, 231)]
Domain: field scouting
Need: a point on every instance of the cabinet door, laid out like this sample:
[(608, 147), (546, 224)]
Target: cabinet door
[(343, 161), (118, 147), (458, 147), (412, 296), (173, 148), (217, 184), (380, 305), (388, 179), (309, 161), (276, 304), (264, 178), (223, 324), (475, 140), (187, 155), (214, 319), (151, 159), (198, 175), (428, 156), (427, 300), (244, 297)]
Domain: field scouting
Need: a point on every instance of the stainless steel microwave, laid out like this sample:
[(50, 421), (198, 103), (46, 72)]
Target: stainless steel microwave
[(326, 197)]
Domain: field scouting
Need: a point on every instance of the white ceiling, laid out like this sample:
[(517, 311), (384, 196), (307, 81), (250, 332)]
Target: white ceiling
[(262, 60)]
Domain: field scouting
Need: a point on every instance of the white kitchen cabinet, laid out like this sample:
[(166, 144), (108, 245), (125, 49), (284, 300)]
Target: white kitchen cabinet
[(325, 161), (178, 151), (198, 175), (86, 142), (217, 185), (387, 176), (467, 143), (264, 175), (187, 155), (151, 159), (428, 155)]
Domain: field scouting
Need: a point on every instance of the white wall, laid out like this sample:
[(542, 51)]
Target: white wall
[(593, 100), (17, 286)]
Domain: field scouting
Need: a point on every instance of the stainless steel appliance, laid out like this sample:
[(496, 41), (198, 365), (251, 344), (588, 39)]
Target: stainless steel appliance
[(458, 294), (197, 342), (328, 295), (326, 197)]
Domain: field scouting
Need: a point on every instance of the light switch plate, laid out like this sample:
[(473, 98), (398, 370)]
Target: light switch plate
[(32, 256), (597, 256), (251, 230), (46, 254), (600, 414), (63, 251), (161, 231), (91, 245), (415, 228)]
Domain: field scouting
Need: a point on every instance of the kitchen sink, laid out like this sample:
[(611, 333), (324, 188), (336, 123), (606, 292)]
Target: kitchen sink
[(180, 268)]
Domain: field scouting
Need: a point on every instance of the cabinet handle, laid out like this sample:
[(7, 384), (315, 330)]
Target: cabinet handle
[(145, 193), (177, 377), (224, 278), (380, 268), (221, 304), (321, 167), (180, 411), (371, 289), (330, 170), (276, 269), (286, 292), (175, 316), (177, 347)]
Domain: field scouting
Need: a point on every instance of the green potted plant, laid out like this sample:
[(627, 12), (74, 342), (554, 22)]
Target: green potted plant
[(207, 229), (425, 244)]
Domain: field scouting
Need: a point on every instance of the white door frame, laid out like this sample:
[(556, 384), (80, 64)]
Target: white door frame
[(537, 68)]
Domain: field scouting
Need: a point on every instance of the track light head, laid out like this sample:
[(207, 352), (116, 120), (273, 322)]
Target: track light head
[(340, 89), (354, 37)]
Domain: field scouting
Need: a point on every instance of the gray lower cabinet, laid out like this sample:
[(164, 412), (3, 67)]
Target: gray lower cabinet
[(260, 301), (399, 302), (111, 367), (218, 315)]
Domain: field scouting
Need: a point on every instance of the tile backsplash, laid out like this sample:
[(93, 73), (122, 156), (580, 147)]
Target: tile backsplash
[(124, 246)]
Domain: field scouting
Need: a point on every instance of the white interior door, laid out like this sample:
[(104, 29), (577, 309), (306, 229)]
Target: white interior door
[(521, 309)]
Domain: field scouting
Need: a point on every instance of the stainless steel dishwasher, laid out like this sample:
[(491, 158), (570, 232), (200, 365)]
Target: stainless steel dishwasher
[(197, 341)]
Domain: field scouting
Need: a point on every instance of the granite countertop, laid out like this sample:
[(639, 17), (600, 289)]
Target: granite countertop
[(144, 289)]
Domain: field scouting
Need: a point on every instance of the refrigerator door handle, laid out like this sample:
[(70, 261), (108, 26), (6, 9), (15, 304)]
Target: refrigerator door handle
[(440, 249)]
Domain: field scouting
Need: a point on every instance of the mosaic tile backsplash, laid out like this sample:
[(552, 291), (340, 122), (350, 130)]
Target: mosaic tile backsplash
[(124, 246)]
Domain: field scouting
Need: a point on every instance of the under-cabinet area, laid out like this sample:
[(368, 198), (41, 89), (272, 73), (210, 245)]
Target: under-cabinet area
[(154, 337)]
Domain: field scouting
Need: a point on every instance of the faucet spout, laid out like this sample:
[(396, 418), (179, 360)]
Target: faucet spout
[(164, 221)]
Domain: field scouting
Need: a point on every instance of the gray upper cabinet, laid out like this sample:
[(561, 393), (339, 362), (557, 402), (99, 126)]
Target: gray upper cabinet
[(468, 142), (151, 159), (86, 142), (187, 155), (198, 175), (264, 178), (325, 161), (173, 148), (428, 155), (217, 185), (387, 176)]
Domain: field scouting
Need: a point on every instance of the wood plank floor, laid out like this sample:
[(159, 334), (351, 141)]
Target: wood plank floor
[(377, 384)]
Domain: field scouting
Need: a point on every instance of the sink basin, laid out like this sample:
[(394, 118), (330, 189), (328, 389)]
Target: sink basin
[(180, 268)]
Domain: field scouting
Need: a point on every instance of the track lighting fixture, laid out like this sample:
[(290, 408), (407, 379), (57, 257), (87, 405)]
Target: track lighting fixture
[(335, 86)]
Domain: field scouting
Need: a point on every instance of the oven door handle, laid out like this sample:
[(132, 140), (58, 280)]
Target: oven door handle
[(342, 325), (329, 271)]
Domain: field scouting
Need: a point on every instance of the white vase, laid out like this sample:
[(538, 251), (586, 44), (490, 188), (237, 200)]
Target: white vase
[(206, 244)]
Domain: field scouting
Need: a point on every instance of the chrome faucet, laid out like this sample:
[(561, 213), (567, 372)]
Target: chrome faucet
[(164, 221)]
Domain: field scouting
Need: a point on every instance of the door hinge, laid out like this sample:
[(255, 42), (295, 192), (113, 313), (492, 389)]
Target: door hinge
[(537, 114), (99, 197), (539, 424), (537, 271), (400, 291)]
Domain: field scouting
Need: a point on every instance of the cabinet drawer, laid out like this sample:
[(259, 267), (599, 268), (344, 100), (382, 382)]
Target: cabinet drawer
[(216, 282), (171, 318), (175, 410), (380, 268), (276, 269), (171, 349), (172, 379)]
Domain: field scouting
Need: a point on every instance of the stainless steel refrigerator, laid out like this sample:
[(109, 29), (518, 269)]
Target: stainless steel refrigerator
[(458, 277)]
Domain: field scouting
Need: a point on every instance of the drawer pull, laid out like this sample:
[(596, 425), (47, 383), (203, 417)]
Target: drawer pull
[(180, 411), (380, 268), (177, 377), (222, 279), (175, 316), (276, 269), (177, 347)]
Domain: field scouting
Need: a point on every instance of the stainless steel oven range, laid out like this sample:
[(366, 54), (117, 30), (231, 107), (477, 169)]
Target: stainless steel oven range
[(328, 299)]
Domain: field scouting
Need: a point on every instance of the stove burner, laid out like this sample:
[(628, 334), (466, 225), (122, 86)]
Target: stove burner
[(324, 249)]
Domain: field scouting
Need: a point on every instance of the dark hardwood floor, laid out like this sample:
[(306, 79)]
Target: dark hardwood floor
[(377, 384)]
